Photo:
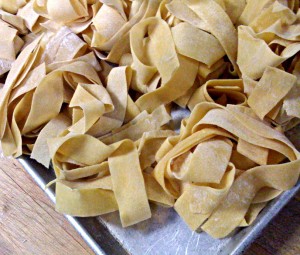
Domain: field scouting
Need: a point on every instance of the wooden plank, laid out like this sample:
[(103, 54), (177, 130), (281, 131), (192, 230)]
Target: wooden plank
[(28, 222)]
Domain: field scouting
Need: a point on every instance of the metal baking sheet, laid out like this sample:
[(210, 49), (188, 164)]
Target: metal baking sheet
[(165, 233)]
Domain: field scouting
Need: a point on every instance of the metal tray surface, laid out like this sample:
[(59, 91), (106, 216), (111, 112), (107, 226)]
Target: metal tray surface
[(165, 233)]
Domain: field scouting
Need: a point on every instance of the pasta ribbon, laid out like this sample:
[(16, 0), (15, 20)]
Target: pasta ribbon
[(195, 168), (98, 92)]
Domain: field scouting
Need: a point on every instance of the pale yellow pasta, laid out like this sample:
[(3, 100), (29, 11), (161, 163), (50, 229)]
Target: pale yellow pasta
[(163, 55), (53, 129), (235, 8), (220, 91), (93, 101), (61, 150), (12, 6), (149, 144), (212, 154), (128, 177), (170, 168), (11, 80), (274, 13), (90, 202), (10, 46), (181, 81), (246, 186), (253, 152), (183, 12), (134, 129), (197, 44), (119, 44), (211, 72), (221, 27), (197, 202), (63, 46), (90, 88), (252, 10), (30, 17), (272, 77), (14, 20), (61, 11), (257, 54)]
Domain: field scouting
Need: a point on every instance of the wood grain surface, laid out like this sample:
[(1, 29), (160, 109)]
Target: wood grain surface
[(30, 225), (28, 222)]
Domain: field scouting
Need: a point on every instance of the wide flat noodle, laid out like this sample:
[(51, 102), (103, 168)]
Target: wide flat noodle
[(183, 12), (291, 103), (164, 168), (197, 44), (220, 91), (272, 14), (155, 192), (10, 46), (53, 129), (17, 67), (163, 55), (62, 11), (235, 8), (207, 163), (197, 202), (26, 122), (142, 123), (207, 123), (243, 191), (221, 27), (110, 181), (117, 86), (133, 204), (87, 202), (253, 9), (93, 101), (270, 90), (119, 44), (182, 80), (259, 55), (63, 46), (253, 152), (149, 144), (13, 5)]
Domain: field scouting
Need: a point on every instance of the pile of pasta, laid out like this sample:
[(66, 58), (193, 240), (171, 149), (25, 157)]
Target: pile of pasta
[(89, 87)]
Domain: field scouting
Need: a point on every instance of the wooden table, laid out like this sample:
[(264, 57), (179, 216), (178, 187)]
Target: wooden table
[(30, 225)]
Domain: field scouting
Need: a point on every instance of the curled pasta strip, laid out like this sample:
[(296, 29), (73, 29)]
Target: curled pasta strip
[(11, 44), (14, 21), (30, 84), (62, 11), (116, 39), (107, 177), (207, 140), (163, 58), (280, 108), (221, 27), (259, 49), (244, 190), (220, 91), (12, 6)]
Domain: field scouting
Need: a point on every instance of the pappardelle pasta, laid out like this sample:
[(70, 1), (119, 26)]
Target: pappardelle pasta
[(89, 87)]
